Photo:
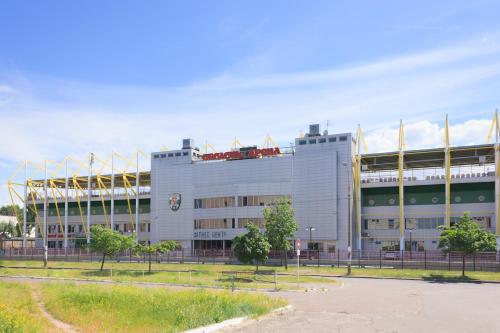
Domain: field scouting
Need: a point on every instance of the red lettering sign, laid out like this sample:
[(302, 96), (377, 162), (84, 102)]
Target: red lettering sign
[(238, 155)]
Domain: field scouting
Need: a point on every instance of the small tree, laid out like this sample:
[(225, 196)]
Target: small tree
[(251, 247), (466, 237), (150, 249), (108, 242), (280, 226)]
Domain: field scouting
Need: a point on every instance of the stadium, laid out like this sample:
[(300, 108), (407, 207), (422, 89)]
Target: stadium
[(387, 201)]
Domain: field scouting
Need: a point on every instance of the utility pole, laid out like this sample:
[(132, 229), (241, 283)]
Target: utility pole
[(45, 217), (349, 248), (89, 199)]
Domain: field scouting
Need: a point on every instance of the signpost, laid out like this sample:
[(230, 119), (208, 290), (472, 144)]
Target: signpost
[(297, 248)]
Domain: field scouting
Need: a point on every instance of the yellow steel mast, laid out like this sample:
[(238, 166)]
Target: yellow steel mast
[(401, 148), (447, 167)]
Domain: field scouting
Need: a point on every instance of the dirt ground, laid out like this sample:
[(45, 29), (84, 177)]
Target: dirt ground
[(371, 305)]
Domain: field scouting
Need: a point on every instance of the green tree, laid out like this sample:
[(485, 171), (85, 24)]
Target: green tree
[(108, 242), (12, 210), (251, 247), (466, 237), (150, 249), (9, 230), (280, 226)]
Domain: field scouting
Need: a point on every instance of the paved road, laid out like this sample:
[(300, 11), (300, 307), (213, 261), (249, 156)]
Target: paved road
[(370, 305)]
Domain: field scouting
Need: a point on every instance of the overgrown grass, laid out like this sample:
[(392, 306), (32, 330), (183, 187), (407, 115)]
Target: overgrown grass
[(95, 308), (18, 311), (196, 275)]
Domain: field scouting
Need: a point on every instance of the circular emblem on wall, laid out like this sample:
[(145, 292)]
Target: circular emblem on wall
[(481, 198), (413, 201), (435, 200), (392, 201), (174, 201), (371, 202), (458, 198)]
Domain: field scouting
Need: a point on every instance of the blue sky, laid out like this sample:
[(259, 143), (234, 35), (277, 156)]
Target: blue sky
[(116, 75)]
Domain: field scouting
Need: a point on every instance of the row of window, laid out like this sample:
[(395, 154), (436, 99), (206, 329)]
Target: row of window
[(420, 222), (217, 202), (78, 228), (176, 154), (322, 140), (228, 223), (243, 201)]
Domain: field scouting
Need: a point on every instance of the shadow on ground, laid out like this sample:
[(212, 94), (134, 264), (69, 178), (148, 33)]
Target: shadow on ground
[(440, 278)]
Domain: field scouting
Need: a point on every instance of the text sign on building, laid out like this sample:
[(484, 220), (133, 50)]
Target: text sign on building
[(209, 234), (238, 155)]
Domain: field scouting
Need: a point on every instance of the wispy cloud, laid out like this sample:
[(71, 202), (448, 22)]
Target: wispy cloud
[(49, 118)]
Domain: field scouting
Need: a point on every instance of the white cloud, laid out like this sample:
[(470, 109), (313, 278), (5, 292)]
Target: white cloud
[(47, 118), (427, 134)]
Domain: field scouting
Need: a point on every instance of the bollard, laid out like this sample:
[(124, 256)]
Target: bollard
[(275, 281), (425, 259), (380, 259)]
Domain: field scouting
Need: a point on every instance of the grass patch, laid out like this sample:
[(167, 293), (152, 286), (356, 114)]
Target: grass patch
[(18, 311), (209, 274), (98, 308), (195, 275)]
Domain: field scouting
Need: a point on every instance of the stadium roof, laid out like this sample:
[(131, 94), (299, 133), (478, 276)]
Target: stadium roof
[(429, 158)]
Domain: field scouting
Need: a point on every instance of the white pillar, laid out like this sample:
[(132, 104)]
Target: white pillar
[(25, 209), (66, 206), (45, 208), (112, 218), (89, 197), (137, 198)]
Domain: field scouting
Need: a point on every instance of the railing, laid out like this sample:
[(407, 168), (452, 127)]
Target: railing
[(430, 260), (458, 172)]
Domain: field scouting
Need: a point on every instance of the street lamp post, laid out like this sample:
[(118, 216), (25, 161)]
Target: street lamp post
[(310, 246), (411, 244), (348, 166), (310, 229)]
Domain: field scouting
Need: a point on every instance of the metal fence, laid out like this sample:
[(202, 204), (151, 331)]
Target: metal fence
[(429, 260)]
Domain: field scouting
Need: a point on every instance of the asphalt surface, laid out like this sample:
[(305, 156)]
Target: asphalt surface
[(372, 305)]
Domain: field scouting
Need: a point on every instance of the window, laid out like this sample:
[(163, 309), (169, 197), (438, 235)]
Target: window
[(424, 222), (217, 202), (343, 138), (323, 140), (260, 200), (302, 142), (163, 155), (390, 246), (177, 154), (381, 224), (312, 141), (171, 155), (144, 227), (211, 224), (156, 156), (185, 153), (333, 139), (257, 221)]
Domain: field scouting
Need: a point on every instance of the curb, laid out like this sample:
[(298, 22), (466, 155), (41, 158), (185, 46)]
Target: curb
[(232, 322), (414, 279)]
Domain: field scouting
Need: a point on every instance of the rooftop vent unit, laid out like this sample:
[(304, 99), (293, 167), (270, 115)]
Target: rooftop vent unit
[(187, 143), (314, 130)]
